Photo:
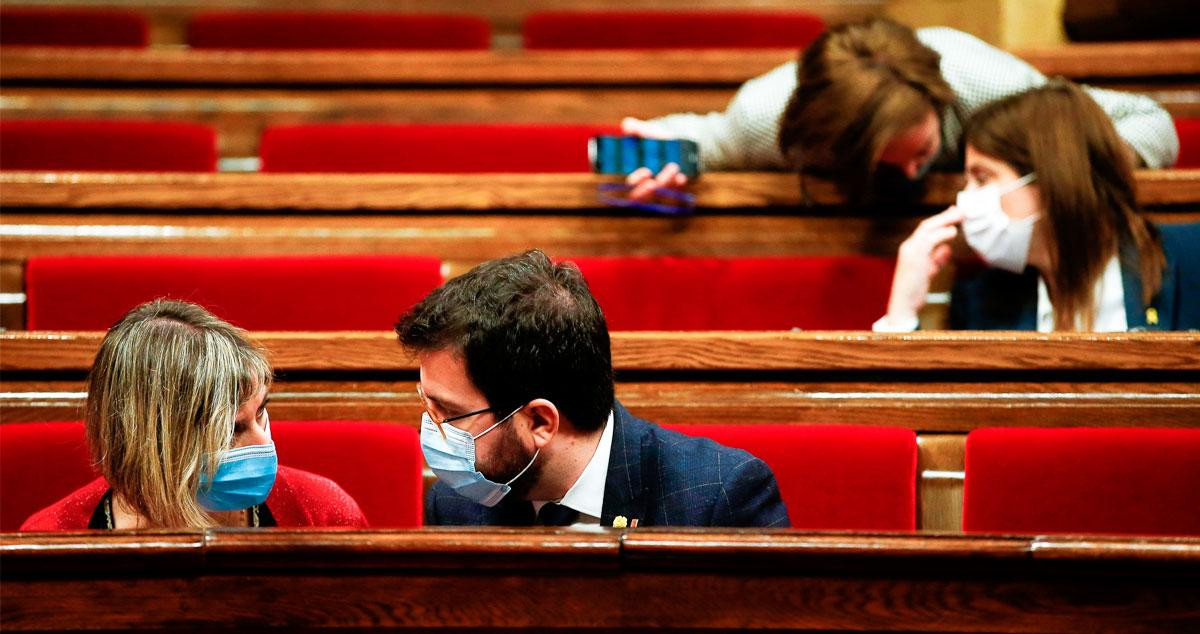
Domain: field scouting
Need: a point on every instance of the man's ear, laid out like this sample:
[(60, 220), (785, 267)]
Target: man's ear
[(543, 421)]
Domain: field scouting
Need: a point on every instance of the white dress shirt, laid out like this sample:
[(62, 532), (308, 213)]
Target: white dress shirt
[(587, 494), (1109, 295)]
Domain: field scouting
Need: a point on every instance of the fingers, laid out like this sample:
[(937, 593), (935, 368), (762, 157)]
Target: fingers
[(637, 176), (637, 127)]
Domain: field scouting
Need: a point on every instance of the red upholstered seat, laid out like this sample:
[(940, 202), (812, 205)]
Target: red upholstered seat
[(1083, 480), (669, 29), (1189, 141), (378, 464), (36, 26), (337, 30), (40, 463), (759, 293), (107, 146), (833, 477), (461, 148), (256, 293)]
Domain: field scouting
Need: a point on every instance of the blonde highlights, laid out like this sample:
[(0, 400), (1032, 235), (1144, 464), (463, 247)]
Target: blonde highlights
[(1087, 189), (163, 392)]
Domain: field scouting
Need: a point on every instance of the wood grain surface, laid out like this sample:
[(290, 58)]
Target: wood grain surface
[(634, 579)]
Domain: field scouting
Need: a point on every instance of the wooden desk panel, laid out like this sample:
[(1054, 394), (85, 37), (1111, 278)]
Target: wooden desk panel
[(627, 580)]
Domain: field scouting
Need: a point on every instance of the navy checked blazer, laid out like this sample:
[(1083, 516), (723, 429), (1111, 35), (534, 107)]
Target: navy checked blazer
[(657, 476)]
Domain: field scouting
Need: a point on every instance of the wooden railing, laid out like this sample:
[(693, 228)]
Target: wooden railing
[(241, 93), (609, 580)]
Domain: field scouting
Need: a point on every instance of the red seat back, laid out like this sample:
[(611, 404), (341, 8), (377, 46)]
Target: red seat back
[(1083, 480), (256, 293), (35, 26), (378, 464), (461, 148), (669, 29), (833, 477), (759, 293), (1188, 130), (107, 146), (337, 30), (40, 463)]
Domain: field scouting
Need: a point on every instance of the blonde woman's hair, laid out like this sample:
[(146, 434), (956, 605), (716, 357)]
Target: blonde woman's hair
[(1087, 188), (859, 85), (162, 396)]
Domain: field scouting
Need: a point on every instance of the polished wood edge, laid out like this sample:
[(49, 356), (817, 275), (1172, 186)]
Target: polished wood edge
[(451, 192), (707, 351), (524, 67)]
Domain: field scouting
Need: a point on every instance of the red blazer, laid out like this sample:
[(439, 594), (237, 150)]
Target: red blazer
[(298, 499)]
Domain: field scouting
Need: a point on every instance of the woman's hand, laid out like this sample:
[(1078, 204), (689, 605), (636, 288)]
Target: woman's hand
[(642, 181), (921, 256)]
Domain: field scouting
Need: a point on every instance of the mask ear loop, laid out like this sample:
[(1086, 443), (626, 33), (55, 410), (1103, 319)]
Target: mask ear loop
[(1019, 183), (497, 423)]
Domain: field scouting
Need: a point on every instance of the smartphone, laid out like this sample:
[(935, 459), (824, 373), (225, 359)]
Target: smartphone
[(623, 154)]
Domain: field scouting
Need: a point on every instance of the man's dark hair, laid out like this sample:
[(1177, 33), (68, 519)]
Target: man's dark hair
[(527, 328)]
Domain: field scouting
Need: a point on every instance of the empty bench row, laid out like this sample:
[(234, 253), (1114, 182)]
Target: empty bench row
[(279, 30), (109, 145), (1017, 480)]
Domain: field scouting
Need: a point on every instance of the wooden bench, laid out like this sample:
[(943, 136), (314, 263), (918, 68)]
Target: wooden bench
[(242, 92), (611, 580), (461, 218), (942, 385)]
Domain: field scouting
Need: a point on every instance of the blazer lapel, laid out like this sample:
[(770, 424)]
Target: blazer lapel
[(1158, 314), (624, 493)]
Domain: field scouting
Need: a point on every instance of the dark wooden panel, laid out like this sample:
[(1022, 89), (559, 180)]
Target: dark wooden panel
[(628, 580)]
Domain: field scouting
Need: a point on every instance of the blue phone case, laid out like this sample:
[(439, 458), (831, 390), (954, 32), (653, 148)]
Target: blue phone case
[(624, 154)]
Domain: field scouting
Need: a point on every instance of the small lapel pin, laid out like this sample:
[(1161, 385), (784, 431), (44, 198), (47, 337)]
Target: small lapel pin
[(620, 521), (633, 524), (1152, 316)]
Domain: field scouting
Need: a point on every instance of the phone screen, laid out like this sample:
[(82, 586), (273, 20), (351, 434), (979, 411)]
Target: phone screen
[(624, 154)]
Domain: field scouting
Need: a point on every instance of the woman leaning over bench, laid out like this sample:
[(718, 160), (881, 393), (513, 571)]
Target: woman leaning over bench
[(176, 419), (1050, 207)]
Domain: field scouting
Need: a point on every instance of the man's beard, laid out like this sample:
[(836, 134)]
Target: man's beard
[(509, 459)]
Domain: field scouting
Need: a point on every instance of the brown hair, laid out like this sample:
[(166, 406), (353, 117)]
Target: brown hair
[(162, 396), (858, 86), (1086, 183)]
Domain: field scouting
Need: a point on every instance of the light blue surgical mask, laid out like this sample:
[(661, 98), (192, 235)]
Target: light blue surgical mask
[(450, 452), (244, 477)]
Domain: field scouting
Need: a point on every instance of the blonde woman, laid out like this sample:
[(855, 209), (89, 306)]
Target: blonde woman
[(1050, 207), (177, 422)]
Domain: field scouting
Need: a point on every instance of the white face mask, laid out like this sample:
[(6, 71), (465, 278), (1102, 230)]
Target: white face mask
[(1001, 241)]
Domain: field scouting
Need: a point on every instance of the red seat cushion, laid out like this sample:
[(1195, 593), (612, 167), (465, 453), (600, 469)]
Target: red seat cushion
[(109, 146), (378, 464), (256, 293), (669, 29), (428, 148), (40, 463), (1083, 480), (337, 30), (1189, 141), (833, 477), (33, 26), (759, 293)]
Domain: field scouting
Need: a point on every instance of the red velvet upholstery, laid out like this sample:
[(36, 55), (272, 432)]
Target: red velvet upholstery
[(378, 464), (107, 146), (669, 29), (833, 477), (463, 148), (1189, 141), (256, 293), (35, 26), (1083, 480), (761, 293), (334, 30), (40, 463)]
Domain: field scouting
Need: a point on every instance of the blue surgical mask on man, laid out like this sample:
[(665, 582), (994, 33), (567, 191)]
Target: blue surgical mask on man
[(244, 478), (450, 453)]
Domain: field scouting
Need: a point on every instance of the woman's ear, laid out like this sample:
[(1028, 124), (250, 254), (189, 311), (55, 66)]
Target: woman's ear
[(543, 421)]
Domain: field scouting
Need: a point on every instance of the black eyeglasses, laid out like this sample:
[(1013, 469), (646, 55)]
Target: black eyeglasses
[(449, 419)]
